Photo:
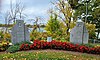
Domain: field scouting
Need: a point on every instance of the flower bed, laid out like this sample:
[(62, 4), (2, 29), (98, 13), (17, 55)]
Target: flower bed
[(60, 46)]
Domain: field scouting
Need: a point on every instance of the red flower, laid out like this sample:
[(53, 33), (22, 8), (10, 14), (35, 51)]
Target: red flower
[(34, 44), (31, 46), (38, 47), (60, 45), (22, 46)]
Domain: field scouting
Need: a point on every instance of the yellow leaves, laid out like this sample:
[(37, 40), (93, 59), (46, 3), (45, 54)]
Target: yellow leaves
[(64, 8), (68, 11), (72, 24), (5, 36), (47, 55), (91, 29), (97, 46), (21, 55), (68, 58), (75, 56), (4, 43), (37, 52), (23, 59), (34, 55), (5, 57), (90, 26)]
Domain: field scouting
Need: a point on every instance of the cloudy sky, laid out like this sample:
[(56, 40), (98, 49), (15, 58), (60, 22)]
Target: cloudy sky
[(33, 8)]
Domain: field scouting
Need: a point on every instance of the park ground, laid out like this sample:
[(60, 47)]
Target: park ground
[(47, 55)]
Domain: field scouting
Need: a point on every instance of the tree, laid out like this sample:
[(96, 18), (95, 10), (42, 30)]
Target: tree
[(73, 4), (91, 30), (93, 7), (96, 16), (15, 12), (53, 25), (36, 23), (64, 12)]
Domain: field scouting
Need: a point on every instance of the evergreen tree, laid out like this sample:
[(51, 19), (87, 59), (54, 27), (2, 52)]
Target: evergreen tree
[(53, 25)]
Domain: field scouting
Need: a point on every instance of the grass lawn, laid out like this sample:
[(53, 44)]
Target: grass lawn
[(48, 55)]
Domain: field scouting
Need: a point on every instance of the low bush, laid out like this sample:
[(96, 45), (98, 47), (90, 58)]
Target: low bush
[(23, 42), (16, 47), (89, 45), (13, 48), (61, 46)]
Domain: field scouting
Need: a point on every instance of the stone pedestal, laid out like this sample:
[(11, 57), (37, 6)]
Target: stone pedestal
[(79, 34), (19, 32)]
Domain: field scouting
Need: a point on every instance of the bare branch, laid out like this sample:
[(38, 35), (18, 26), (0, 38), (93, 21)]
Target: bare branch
[(16, 11)]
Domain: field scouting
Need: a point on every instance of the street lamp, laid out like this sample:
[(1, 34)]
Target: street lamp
[(87, 1)]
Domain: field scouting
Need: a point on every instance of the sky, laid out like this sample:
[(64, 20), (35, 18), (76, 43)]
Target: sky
[(33, 8)]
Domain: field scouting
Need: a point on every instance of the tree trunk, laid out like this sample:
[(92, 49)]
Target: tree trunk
[(98, 34)]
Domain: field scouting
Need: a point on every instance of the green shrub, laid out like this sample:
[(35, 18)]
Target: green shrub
[(13, 48), (16, 47), (26, 42), (88, 45)]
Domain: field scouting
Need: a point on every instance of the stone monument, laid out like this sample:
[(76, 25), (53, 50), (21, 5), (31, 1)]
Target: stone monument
[(19, 32), (79, 34)]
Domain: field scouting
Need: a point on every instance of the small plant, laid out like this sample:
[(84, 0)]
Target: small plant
[(13, 48), (16, 47)]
